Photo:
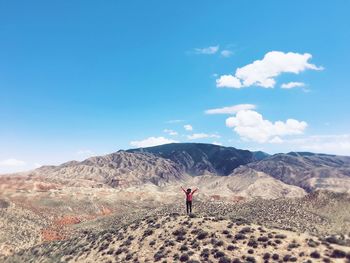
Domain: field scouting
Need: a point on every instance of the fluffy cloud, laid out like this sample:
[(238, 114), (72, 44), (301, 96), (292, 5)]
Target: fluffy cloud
[(228, 81), (217, 143), (12, 162), (231, 109), (250, 125), (207, 50), (263, 72), (188, 127), (151, 141), (226, 53), (291, 85), (197, 136), (170, 132), (333, 144)]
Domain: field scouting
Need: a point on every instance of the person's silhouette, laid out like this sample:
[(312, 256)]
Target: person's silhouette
[(189, 193)]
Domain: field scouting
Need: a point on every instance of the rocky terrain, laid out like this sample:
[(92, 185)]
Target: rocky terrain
[(99, 209), (216, 232), (308, 170)]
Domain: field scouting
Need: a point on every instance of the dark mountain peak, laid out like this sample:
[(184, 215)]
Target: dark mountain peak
[(201, 158)]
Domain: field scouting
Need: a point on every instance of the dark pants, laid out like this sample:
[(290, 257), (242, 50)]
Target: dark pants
[(189, 207)]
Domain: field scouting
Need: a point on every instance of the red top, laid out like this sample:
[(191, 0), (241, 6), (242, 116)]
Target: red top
[(189, 195)]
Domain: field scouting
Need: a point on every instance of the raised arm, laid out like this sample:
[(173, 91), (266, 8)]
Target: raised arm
[(183, 190), (194, 190)]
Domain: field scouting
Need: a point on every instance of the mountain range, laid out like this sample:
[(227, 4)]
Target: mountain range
[(229, 170)]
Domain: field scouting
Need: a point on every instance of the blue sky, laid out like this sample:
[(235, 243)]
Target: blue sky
[(82, 78)]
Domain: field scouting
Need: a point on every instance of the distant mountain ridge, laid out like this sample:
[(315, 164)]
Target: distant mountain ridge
[(200, 158), (253, 173)]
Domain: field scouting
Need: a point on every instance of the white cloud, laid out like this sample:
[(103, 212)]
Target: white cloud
[(276, 140), (197, 136), (217, 143), (170, 132), (228, 81), (291, 85), (332, 144), (12, 163), (231, 109), (174, 121), (263, 72), (207, 50), (251, 126), (188, 127), (226, 53), (37, 165), (151, 141)]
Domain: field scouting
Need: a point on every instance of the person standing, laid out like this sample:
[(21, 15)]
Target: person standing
[(189, 194)]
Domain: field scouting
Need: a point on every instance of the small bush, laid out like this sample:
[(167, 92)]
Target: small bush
[(315, 254), (184, 258)]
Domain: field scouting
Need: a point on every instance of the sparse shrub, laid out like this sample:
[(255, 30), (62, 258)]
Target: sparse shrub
[(263, 239), (293, 245), (245, 230), (128, 257), (147, 232), (250, 251), (286, 258), (205, 253), (277, 241), (338, 254), (266, 256), (183, 248), (225, 232), (236, 260), (250, 259), (202, 235), (152, 243), (179, 232), (240, 236), (219, 254), (252, 243), (184, 257), (315, 254), (335, 240), (293, 259), (312, 243), (231, 247), (224, 260), (275, 256), (158, 256), (280, 236)]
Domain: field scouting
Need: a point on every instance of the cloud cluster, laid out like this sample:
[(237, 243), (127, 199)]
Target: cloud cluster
[(250, 125), (151, 141), (197, 136), (12, 163), (188, 127), (291, 85), (226, 53), (263, 72), (170, 132), (231, 109), (207, 50), (331, 143)]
